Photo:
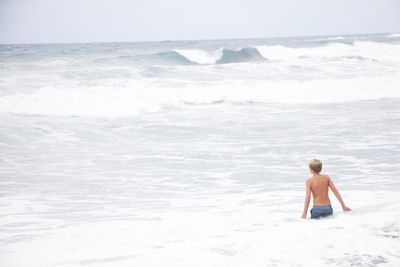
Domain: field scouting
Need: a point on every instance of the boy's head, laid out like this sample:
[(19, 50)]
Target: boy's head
[(315, 165)]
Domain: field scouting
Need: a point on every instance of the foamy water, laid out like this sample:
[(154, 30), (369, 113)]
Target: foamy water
[(195, 153)]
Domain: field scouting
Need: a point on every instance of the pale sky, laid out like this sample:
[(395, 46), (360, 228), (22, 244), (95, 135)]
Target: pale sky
[(60, 21)]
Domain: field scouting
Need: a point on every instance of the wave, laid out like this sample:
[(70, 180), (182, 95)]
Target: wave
[(201, 56), (222, 56), (394, 35), (261, 53), (171, 57), (366, 50), (248, 54), (135, 84), (144, 97), (336, 38), (359, 49)]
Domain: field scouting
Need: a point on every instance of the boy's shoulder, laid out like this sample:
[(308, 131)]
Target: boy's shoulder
[(326, 176), (312, 178)]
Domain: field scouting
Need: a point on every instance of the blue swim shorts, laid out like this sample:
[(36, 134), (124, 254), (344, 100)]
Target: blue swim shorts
[(319, 211)]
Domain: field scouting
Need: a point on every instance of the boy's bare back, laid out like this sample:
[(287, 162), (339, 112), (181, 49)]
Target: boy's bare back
[(319, 185)]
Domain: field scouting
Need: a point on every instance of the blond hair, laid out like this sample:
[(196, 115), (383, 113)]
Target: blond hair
[(315, 165)]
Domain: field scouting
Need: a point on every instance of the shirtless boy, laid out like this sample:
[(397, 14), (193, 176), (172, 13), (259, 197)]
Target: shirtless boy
[(318, 184)]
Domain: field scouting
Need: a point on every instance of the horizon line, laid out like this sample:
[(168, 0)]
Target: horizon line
[(210, 39)]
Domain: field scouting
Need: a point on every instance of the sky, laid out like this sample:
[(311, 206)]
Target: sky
[(66, 21)]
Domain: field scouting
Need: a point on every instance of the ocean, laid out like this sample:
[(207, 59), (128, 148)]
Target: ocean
[(194, 153)]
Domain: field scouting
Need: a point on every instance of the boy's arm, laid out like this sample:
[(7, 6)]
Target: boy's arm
[(337, 194), (307, 200)]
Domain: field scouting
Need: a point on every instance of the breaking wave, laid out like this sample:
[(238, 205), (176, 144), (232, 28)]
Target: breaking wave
[(139, 78), (222, 56), (140, 97), (248, 54), (359, 49), (335, 50)]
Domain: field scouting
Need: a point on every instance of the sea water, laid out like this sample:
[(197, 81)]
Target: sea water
[(194, 153)]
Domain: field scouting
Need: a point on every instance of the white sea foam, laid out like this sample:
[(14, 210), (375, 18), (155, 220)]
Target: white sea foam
[(335, 38), (215, 186), (140, 97), (362, 49), (242, 234), (201, 56)]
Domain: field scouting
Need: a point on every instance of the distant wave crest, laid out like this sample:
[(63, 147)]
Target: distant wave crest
[(248, 54), (221, 56), (335, 50)]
